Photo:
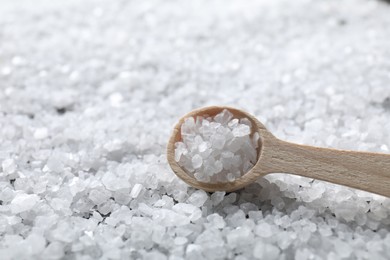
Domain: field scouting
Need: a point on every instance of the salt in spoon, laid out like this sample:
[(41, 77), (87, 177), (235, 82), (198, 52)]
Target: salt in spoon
[(361, 170)]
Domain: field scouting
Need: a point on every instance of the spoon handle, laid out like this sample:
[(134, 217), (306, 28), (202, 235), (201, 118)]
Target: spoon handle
[(361, 170)]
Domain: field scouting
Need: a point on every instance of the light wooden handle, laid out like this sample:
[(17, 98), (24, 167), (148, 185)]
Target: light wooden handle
[(361, 170)]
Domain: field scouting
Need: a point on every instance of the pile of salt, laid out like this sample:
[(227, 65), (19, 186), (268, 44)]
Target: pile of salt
[(217, 149)]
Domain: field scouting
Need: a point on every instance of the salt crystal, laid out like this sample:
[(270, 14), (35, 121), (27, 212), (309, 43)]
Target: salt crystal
[(169, 218), (122, 196), (55, 163), (230, 177), (198, 198), (99, 196), (233, 124), (6, 70), (343, 249), (215, 126), (194, 252), (8, 166), (7, 194), (136, 190), (178, 153), (202, 177), (224, 117), (206, 130), (217, 142), (202, 147), (217, 197), (197, 161), (236, 217), (267, 251), (263, 230), (212, 244), (23, 202), (216, 221), (60, 204), (241, 130), (239, 237), (76, 185), (97, 216), (218, 166), (41, 133), (63, 232), (227, 154), (55, 250), (180, 241), (113, 182), (189, 210), (314, 125), (246, 121), (199, 121), (235, 145), (35, 243), (116, 99), (255, 215), (188, 126)]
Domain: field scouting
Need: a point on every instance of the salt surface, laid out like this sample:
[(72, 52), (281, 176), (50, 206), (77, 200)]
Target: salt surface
[(217, 149), (89, 91)]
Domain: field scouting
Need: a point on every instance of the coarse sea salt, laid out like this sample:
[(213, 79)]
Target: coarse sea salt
[(217, 149), (108, 99)]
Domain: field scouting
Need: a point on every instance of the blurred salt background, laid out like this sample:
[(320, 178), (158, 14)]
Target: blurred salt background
[(90, 90)]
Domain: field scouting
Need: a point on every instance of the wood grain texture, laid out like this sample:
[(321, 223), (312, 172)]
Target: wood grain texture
[(361, 170)]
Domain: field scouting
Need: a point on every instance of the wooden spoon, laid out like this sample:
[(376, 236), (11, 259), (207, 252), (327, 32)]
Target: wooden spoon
[(360, 170)]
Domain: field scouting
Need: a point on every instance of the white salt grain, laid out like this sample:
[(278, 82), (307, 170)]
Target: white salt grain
[(241, 130), (239, 237), (180, 241), (8, 166), (224, 117), (54, 250), (116, 99), (41, 133), (193, 212), (197, 161), (202, 147), (216, 221), (194, 252), (217, 197), (343, 249), (35, 243), (99, 196), (136, 190), (263, 230), (220, 149), (233, 123), (267, 251), (246, 121), (218, 142), (23, 202), (198, 198), (169, 218)]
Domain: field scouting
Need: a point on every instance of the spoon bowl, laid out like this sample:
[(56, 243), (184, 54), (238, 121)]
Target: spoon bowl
[(237, 184), (361, 170)]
